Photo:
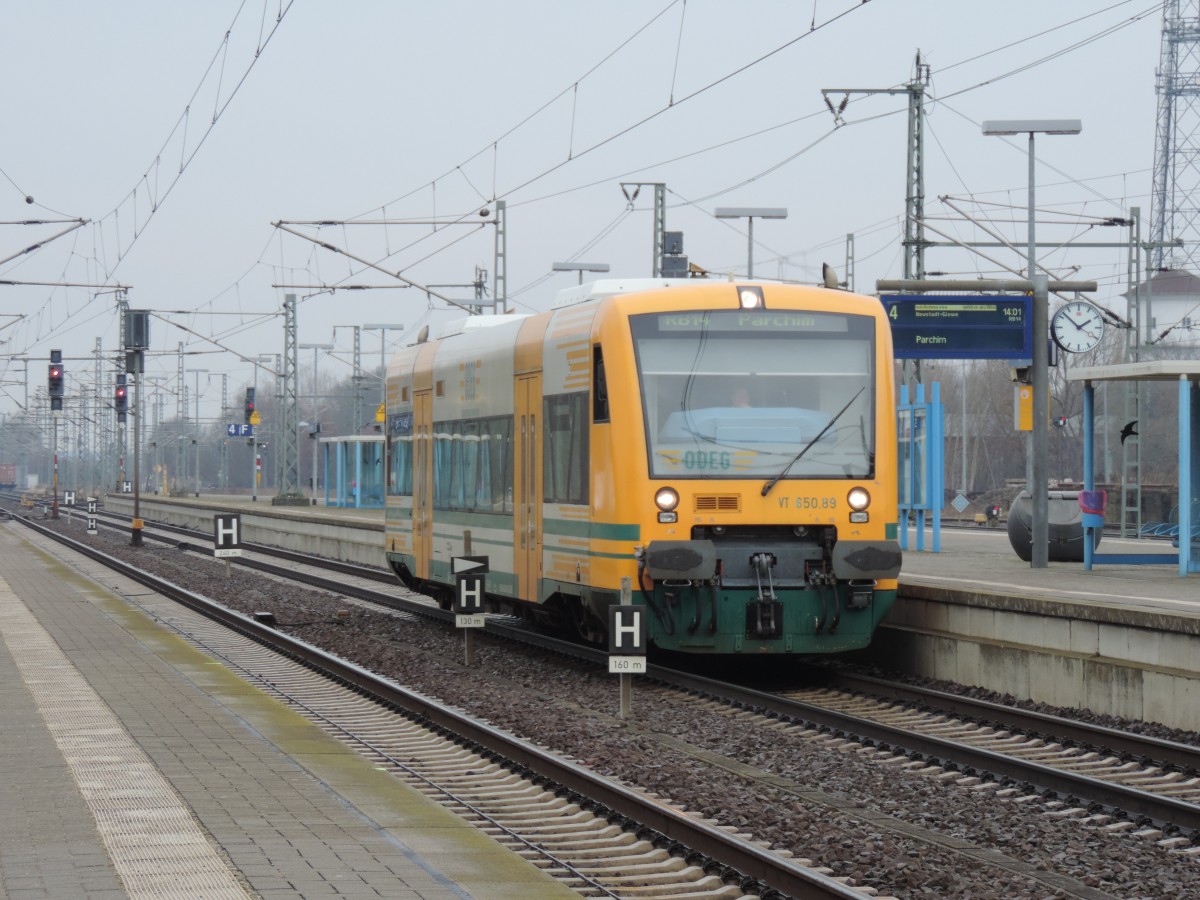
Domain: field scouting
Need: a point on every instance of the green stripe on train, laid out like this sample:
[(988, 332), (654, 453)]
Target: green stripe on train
[(597, 531)]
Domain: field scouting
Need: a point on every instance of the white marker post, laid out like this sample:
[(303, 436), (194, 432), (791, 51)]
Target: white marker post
[(626, 643), (227, 538), (470, 587)]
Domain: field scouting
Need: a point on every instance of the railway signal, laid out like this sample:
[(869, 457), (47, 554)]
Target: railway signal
[(249, 406), (55, 385), (121, 398)]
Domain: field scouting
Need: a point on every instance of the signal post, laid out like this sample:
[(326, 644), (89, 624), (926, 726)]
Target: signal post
[(55, 387)]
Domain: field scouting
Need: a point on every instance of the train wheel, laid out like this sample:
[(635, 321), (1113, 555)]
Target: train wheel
[(584, 623)]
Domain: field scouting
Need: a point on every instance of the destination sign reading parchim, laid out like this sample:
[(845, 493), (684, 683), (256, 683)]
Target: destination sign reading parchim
[(930, 326)]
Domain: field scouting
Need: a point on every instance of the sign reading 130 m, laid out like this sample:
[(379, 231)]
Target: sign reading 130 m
[(932, 326)]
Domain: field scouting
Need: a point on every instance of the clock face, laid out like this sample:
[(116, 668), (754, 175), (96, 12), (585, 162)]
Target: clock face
[(1077, 327)]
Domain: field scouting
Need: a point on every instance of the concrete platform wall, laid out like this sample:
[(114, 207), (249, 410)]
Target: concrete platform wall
[(1112, 661), (327, 534)]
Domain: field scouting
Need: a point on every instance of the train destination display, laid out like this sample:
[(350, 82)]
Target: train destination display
[(930, 326)]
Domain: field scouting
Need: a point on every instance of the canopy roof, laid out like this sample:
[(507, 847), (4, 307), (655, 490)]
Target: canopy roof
[(1151, 370)]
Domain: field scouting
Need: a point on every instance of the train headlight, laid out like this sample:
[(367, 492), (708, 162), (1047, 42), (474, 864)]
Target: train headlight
[(859, 499), (666, 499), (750, 297)]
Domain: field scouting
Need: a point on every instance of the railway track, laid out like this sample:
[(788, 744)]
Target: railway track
[(832, 719), (598, 836), (1132, 782)]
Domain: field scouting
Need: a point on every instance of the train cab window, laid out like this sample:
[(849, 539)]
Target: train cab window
[(599, 387), (737, 394)]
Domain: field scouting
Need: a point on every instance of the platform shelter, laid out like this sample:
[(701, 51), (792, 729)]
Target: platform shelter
[(1187, 374), (354, 471)]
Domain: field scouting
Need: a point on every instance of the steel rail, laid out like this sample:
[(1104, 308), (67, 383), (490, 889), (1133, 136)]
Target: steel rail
[(1164, 811), (631, 809), (1145, 806)]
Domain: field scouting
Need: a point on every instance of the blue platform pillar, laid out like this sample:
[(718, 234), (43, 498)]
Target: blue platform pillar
[(920, 450), (1189, 471), (1089, 468)]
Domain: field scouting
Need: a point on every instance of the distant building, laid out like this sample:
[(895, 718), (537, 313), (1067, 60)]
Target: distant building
[(1170, 299)]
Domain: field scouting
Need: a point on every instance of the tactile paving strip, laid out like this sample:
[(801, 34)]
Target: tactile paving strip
[(156, 846)]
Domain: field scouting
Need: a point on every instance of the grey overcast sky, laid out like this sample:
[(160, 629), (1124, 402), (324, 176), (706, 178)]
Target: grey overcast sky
[(182, 130)]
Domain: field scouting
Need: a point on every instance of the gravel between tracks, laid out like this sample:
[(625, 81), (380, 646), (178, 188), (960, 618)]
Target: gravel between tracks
[(572, 711)]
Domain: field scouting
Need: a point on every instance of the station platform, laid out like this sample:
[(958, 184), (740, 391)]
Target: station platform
[(1122, 640), (982, 560), (133, 765)]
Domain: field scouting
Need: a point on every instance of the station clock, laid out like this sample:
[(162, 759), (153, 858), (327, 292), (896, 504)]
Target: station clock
[(1077, 327)]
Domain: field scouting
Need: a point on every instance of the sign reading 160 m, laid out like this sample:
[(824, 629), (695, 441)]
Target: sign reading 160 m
[(932, 326)]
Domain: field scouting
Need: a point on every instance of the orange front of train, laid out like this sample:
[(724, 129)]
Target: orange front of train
[(743, 466)]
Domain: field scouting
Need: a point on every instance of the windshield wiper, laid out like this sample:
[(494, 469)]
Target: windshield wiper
[(766, 488)]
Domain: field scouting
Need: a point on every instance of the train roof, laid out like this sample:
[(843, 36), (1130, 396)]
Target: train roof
[(610, 287), (470, 323)]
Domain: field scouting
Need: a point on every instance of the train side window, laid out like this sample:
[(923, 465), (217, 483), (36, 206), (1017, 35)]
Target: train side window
[(599, 387), (472, 465)]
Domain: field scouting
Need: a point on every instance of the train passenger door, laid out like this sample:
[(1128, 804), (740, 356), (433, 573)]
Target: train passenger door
[(527, 487), (422, 480)]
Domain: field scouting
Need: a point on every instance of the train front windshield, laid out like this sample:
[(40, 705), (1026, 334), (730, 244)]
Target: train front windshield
[(757, 393)]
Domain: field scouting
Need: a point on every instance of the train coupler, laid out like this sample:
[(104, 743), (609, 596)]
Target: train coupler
[(764, 619), (764, 614)]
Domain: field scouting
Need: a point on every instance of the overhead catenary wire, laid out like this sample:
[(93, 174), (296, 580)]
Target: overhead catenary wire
[(495, 143), (316, 256)]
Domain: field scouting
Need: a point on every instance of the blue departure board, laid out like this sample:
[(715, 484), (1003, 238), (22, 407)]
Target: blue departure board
[(932, 326)]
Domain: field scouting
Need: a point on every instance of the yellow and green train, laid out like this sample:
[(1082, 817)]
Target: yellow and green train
[(729, 447)]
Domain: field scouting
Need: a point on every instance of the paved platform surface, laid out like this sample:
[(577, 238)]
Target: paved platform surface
[(132, 765), (982, 560)]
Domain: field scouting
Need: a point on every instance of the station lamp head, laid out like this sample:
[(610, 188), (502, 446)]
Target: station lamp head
[(1032, 126)]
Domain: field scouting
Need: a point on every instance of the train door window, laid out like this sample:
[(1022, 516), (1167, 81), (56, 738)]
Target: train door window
[(599, 387), (500, 458), (400, 456), (565, 456)]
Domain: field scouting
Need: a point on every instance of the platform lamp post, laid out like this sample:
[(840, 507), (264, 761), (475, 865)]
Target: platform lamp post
[(383, 330), (579, 267), (750, 213), (1040, 504), (314, 426), (196, 432)]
